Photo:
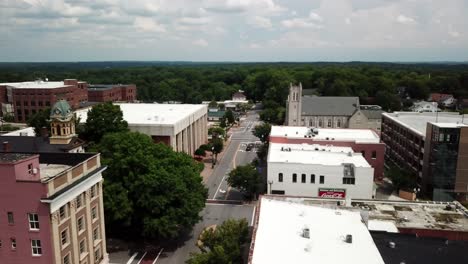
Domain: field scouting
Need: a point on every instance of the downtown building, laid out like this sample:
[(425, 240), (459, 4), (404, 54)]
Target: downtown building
[(433, 148), (24, 99), (51, 208), (313, 170), (184, 127), (112, 93)]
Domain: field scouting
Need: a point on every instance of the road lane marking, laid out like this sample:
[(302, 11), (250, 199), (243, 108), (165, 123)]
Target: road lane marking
[(132, 258), (156, 259), (219, 186), (142, 257), (235, 157)]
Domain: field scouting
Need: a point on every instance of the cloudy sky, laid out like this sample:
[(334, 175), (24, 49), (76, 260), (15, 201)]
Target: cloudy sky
[(234, 30)]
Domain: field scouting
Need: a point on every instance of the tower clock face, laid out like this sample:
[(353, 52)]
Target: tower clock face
[(57, 111)]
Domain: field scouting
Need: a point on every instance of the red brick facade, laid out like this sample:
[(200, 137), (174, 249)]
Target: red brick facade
[(112, 93)]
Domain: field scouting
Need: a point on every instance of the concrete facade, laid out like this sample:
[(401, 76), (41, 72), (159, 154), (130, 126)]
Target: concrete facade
[(56, 204)]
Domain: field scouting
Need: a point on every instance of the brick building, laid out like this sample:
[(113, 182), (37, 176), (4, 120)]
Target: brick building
[(27, 98), (431, 146), (112, 93), (51, 208), (364, 141)]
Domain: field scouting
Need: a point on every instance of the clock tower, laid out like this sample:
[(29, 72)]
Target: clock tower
[(62, 123)]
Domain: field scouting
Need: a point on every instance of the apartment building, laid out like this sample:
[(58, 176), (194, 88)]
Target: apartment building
[(27, 98), (364, 141), (51, 208), (318, 171), (431, 146)]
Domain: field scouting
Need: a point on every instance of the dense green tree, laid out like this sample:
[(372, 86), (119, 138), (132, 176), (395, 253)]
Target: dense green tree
[(102, 119), (262, 131), (388, 101), (150, 190), (213, 104), (217, 132), (246, 179), (229, 117), (223, 244), (200, 152), (217, 145), (39, 120)]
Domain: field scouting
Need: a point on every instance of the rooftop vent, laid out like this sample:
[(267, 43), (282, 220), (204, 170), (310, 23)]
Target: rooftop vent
[(327, 138), (391, 244), (350, 154), (306, 232), (349, 239)]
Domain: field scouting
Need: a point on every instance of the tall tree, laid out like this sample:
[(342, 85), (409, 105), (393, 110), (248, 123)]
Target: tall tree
[(224, 244), (246, 179), (102, 119), (150, 190), (262, 132), (229, 116), (39, 120)]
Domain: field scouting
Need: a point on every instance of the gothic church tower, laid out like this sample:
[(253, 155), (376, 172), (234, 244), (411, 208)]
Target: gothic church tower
[(294, 105)]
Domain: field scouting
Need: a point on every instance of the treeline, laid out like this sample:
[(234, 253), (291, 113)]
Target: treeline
[(267, 82)]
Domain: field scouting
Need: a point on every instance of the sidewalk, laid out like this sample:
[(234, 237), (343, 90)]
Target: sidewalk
[(207, 171)]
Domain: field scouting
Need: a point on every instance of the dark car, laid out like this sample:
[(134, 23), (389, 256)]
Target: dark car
[(249, 147)]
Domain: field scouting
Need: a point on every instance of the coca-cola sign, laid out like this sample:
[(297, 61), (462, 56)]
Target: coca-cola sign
[(332, 193)]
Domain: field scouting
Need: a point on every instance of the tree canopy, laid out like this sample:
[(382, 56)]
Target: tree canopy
[(150, 190), (223, 244), (246, 179), (102, 119), (40, 120), (262, 131)]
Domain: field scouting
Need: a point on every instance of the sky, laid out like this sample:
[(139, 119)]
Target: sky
[(234, 30)]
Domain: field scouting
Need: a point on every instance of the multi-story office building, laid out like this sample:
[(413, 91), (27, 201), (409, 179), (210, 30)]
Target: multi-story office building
[(51, 208), (181, 126), (112, 92), (364, 141), (27, 98), (431, 146), (318, 171)]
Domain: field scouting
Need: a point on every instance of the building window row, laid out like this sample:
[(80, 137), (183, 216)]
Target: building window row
[(33, 219), (303, 178)]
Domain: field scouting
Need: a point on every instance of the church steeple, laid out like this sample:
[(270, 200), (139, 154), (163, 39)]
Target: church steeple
[(62, 123)]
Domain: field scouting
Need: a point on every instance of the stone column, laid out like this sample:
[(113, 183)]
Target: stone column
[(74, 233), (102, 225), (56, 245)]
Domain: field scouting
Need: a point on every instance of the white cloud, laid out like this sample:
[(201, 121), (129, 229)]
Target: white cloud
[(261, 22), (148, 24), (254, 46), (405, 20), (300, 23), (195, 20), (200, 42), (239, 6), (315, 17)]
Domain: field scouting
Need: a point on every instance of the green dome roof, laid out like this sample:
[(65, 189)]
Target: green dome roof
[(61, 109)]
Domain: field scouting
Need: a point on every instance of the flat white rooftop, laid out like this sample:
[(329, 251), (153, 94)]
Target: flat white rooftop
[(279, 239), (417, 122), (151, 114), (314, 154), (354, 135), (36, 85), (28, 131)]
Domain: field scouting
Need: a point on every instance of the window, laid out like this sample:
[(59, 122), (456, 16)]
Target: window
[(312, 178), (66, 259), (374, 154), (33, 221), (280, 177), (94, 213), (82, 246), (93, 191), (96, 233), (33, 103), (40, 103), (349, 180), (363, 153), (320, 123), (322, 179), (294, 179), (338, 123), (79, 201), (18, 103), (0, 243), (80, 223), (47, 103), (64, 237), (36, 247), (11, 220), (30, 168), (63, 212), (25, 103), (97, 254), (303, 178), (329, 123), (13, 243)]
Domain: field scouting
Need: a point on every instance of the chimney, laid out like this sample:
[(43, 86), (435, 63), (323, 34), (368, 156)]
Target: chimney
[(44, 132), (6, 146)]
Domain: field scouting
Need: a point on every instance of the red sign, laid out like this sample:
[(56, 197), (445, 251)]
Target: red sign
[(332, 193)]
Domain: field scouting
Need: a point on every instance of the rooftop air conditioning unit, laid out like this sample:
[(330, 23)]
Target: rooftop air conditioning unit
[(34, 171)]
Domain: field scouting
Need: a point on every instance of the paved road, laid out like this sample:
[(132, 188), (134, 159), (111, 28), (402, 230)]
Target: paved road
[(236, 154), (213, 214)]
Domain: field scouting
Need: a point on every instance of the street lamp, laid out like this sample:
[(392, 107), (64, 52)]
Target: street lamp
[(270, 183), (212, 157)]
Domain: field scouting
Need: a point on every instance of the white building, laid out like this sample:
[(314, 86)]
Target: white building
[(181, 126), (291, 231), (424, 106), (318, 171)]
